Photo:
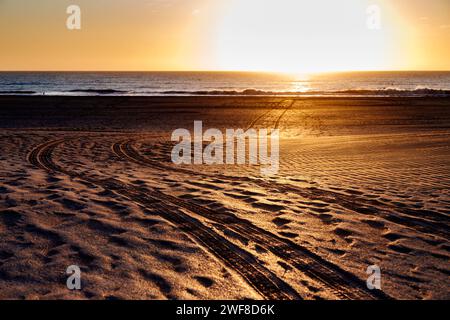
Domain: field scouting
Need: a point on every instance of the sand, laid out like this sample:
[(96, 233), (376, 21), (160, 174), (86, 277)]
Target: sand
[(88, 181)]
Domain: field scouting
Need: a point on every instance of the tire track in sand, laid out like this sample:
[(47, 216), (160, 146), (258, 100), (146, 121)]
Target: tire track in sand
[(276, 106), (406, 217), (263, 281), (341, 283)]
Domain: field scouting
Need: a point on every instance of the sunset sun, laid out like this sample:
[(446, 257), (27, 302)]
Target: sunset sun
[(299, 36)]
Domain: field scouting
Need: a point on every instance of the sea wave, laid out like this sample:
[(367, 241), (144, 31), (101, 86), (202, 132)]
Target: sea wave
[(98, 91), (388, 92), (351, 92), (17, 92)]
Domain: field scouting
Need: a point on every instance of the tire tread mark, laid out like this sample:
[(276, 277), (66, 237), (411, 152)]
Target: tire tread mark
[(406, 218), (342, 283), (262, 280), (275, 106)]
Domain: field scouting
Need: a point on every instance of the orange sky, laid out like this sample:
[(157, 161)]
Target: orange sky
[(266, 35)]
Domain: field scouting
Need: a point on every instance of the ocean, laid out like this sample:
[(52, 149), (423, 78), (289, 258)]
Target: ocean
[(225, 83)]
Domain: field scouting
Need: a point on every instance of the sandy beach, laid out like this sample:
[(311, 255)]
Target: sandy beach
[(89, 181)]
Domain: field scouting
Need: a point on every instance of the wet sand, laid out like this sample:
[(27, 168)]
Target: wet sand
[(89, 181)]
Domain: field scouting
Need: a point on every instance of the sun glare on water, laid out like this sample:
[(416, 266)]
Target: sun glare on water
[(299, 36)]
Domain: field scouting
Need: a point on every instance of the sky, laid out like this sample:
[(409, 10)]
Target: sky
[(249, 35)]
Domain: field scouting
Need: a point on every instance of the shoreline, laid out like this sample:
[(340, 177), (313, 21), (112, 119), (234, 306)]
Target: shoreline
[(247, 97)]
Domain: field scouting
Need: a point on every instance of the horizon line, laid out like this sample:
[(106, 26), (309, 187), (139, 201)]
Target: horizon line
[(225, 71)]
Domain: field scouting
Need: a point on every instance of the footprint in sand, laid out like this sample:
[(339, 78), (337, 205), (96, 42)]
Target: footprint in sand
[(236, 195), (10, 218), (289, 235), (376, 224), (319, 210), (268, 206), (164, 285), (9, 202), (343, 233), (177, 263), (327, 218), (392, 236), (5, 255), (86, 258), (399, 248), (280, 222), (105, 227), (72, 204), (204, 281), (4, 190)]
